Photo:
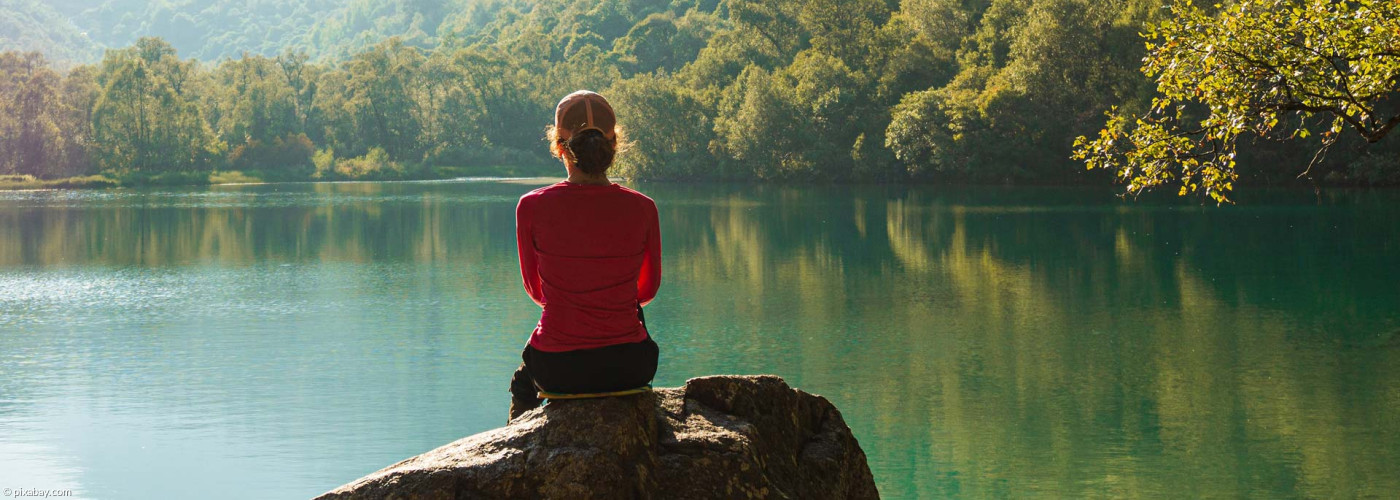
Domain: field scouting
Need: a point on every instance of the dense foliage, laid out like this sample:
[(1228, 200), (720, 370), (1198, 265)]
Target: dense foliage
[(820, 90), (1258, 68), (76, 31)]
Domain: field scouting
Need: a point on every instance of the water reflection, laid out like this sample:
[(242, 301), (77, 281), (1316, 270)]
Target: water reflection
[(1069, 350), (982, 342), (355, 222)]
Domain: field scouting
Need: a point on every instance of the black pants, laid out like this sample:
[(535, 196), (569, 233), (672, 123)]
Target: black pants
[(603, 369)]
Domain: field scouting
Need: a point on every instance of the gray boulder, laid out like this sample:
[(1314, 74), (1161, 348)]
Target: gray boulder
[(716, 437)]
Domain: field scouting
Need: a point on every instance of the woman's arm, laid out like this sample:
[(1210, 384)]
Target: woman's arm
[(525, 243), (650, 278)]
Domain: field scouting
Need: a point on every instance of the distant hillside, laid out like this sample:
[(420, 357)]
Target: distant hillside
[(77, 31), (33, 25)]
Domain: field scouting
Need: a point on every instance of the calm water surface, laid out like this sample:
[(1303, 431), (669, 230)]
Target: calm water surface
[(277, 341)]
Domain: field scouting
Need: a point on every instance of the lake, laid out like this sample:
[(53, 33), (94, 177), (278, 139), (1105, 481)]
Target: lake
[(276, 341)]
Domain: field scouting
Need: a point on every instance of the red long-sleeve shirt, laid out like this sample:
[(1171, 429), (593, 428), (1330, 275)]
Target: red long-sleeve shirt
[(589, 255)]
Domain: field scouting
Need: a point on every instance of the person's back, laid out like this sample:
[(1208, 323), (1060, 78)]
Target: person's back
[(590, 245), (590, 256)]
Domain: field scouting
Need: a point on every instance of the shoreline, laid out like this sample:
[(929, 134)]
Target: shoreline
[(12, 182), (24, 182)]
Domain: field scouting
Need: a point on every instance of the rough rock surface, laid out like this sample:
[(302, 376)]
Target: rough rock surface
[(716, 437)]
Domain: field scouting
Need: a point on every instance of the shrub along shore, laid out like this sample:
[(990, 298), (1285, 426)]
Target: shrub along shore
[(197, 178)]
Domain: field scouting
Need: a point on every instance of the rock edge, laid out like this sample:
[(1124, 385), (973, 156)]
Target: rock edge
[(720, 436)]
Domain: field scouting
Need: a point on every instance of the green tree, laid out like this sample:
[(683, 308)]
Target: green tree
[(827, 96), (301, 79), (905, 59), (940, 130), (649, 45), (79, 96), (330, 123), (1032, 76), (498, 91), (257, 103), (667, 127), (944, 22), (760, 127), (720, 63), (380, 98), (773, 21), (842, 28), (30, 110), (1256, 68), (147, 116)]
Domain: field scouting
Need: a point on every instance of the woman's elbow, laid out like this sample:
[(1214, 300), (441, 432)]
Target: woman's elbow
[(646, 295)]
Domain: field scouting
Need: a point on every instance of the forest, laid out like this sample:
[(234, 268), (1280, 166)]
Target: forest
[(974, 91)]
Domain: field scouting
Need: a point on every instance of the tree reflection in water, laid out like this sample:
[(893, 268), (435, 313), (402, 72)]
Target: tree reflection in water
[(983, 342)]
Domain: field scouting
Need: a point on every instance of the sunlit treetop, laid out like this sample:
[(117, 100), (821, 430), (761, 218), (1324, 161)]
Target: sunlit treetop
[(1253, 68)]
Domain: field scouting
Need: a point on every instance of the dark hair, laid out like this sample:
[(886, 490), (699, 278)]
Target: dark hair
[(590, 151)]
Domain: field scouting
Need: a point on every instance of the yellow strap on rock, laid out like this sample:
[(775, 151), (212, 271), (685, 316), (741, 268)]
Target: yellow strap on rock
[(624, 392)]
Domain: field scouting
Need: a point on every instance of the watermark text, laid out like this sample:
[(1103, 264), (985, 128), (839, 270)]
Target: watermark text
[(36, 493)]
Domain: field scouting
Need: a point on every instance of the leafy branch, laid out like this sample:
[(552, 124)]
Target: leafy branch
[(1291, 69)]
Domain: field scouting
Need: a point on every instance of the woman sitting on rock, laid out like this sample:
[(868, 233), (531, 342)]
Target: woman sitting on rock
[(590, 254)]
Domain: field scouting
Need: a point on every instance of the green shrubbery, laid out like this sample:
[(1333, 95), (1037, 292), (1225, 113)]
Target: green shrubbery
[(30, 182), (86, 181), (374, 165), (293, 152)]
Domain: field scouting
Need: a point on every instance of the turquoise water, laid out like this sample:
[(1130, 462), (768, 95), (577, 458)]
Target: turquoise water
[(276, 341)]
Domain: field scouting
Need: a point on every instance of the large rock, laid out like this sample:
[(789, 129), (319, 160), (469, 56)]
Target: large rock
[(716, 437)]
